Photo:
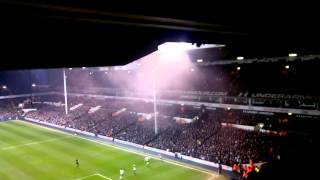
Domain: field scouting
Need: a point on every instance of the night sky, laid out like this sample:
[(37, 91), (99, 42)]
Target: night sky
[(20, 81)]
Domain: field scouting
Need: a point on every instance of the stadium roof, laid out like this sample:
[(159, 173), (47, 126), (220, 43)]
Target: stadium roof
[(49, 33)]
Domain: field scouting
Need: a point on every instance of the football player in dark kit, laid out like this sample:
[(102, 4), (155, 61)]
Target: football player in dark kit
[(77, 163)]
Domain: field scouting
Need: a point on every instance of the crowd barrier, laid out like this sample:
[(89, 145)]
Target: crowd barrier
[(158, 151)]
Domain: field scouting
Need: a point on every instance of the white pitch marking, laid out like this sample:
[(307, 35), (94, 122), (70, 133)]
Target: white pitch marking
[(86, 176), (103, 176), (32, 143), (96, 174)]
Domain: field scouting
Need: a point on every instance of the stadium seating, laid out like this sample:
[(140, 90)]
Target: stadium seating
[(205, 138)]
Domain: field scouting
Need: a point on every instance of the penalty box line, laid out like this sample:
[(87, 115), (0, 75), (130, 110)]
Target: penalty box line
[(96, 174), (103, 176)]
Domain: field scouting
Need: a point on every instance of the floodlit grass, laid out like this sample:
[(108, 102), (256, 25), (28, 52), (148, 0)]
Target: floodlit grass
[(30, 151)]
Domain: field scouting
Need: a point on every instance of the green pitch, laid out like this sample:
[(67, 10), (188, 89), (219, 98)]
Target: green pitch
[(29, 151)]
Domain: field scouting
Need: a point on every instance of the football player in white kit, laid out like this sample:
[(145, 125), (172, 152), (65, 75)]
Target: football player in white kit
[(146, 160), (134, 169), (121, 173)]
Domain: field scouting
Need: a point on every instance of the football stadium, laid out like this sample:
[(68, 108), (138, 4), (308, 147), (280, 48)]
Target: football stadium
[(96, 90), (93, 122)]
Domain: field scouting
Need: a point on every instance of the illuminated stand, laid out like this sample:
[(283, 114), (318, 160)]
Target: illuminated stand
[(172, 52)]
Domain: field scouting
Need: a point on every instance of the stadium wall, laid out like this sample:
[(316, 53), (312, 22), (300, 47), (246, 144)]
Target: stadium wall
[(141, 147)]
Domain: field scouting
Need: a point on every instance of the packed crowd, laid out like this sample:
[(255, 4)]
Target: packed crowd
[(7, 115), (143, 131), (132, 121), (204, 138), (242, 146), (207, 139), (8, 111)]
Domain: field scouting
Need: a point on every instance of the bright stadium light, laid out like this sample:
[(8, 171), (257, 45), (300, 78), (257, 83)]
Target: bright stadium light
[(4, 87), (70, 69), (240, 58), (199, 60), (173, 47), (83, 67), (289, 113), (260, 125), (172, 52), (238, 68), (33, 85), (183, 46), (228, 108), (293, 55), (287, 66)]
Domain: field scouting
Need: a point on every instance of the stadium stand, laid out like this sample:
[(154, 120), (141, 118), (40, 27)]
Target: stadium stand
[(205, 138)]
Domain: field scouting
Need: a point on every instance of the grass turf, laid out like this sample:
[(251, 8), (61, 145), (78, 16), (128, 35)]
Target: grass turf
[(29, 151)]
